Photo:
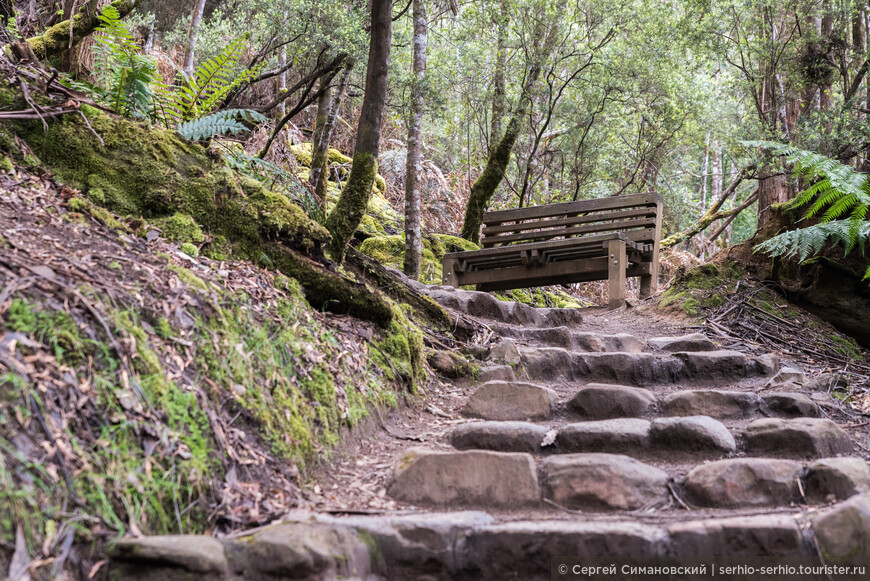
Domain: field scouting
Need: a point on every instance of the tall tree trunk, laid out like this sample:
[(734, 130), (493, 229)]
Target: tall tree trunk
[(704, 173), (190, 49), (493, 173), (319, 175), (348, 212), (319, 144), (413, 238), (281, 83), (772, 189), (498, 90)]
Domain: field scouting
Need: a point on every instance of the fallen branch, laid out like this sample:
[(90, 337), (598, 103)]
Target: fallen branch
[(714, 213), (64, 35)]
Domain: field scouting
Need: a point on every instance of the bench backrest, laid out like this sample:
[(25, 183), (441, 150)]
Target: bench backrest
[(639, 216)]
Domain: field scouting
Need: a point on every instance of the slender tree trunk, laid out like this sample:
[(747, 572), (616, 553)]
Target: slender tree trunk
[(704, 173), (498, 89), (348, 212), (190, 49), (772, 189), (281, 83), (493, 173), (413, 238), (319, 175), (319, 144)]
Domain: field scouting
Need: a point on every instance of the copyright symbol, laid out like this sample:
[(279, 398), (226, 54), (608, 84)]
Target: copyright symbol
[(563, 569)]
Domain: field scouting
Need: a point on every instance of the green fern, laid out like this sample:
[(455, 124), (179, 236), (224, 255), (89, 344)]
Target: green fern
[(226, 122), (212, 81), (838, 194)]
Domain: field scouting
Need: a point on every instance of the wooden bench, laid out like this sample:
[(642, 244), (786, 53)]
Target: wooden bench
[(605, 239)]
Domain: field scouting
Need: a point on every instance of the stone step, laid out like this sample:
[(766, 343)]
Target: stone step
[(508, 400), (572, 340), (673, 439), (485, 306), (473, 545), (604, 482), (702, 368)]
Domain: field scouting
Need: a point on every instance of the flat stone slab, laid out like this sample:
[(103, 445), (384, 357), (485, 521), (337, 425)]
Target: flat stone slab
[(796, 438), (723, 366), (713, 403), (843, 533), (499, 436), (691, 435), (470, 478), (599, 401), (745, 536), (831, 479), (622, 435), (496, 373), (510, 400), (744, 482), (635, 369), (602, 482), (300, 551), (597, 342), (789, 405), (138, 558), (526, 550), (686, 343)]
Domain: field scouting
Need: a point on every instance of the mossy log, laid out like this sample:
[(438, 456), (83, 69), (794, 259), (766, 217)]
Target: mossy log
[(392, 285), (60, 37), (152, 173)]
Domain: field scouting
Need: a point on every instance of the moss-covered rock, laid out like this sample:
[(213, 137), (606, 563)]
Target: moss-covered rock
[(390, 251)]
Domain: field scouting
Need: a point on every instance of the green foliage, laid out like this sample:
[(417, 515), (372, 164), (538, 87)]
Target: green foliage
[(219, 123), (839, 196), (211, 82)]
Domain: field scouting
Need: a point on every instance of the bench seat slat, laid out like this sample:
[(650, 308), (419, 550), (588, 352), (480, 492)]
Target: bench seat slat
[(567, 208), (621, 226), (635, 237), (520, 226)]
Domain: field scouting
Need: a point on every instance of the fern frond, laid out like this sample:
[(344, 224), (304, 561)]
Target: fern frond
[(839, 193), (226, 122)]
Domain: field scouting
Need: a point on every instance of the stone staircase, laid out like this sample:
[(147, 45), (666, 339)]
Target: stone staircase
[(582, 448)]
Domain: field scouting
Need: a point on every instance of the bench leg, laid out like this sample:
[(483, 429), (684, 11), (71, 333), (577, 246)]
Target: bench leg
[(448, 272), (616, 264), (649, 283)]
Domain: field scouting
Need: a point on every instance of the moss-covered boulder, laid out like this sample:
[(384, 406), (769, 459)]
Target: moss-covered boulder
[(390, 251)]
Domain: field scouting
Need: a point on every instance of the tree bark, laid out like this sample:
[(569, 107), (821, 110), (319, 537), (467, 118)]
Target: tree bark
[(493, 173), (319, 173), (348, 212), (413, 237), (319, 144), (190, 49), (498, 89), (57, 40), (772, 189)]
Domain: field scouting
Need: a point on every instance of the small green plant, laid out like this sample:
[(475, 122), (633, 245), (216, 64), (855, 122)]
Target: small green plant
[(226, 122), (838, 194)]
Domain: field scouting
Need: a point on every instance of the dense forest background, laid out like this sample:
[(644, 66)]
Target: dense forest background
[(622, 96)]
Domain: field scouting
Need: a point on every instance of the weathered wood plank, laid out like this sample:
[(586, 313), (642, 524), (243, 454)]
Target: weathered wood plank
[(589, 218), (567, 208), (621, 226), (616, 264), (636, 237), (536, 281)]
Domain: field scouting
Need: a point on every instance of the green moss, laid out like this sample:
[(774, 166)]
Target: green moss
[(189, 249), (185, 275), (56, 329), (6, 164), (847, 346), (715, 300), (399, 353), (101, 215), (181, 228)]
